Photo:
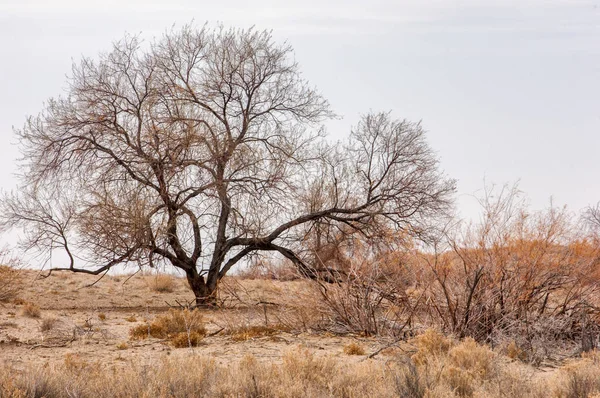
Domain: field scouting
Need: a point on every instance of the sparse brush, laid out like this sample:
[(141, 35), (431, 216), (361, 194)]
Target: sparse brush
[(430, 344), (162, 283), (31, 310), (354, 349), (171, 325), (513, 351)]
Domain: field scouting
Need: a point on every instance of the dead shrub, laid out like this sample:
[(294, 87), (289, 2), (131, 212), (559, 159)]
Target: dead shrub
[(408, 382), (430, 345), (522, 276), (31, 310), (162, 283), (48, 324), (369, 295), (172, 326), (468, 365)]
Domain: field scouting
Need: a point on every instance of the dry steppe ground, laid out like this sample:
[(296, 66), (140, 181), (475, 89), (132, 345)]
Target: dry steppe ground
[(62, 337), (93, 322)]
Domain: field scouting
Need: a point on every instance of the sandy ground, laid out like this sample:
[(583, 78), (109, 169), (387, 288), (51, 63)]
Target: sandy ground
[(93, 322)]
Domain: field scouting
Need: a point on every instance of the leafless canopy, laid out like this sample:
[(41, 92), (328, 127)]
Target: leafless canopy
[(205, 147)]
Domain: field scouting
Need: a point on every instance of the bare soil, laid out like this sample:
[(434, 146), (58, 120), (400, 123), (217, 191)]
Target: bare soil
[(93, 322)]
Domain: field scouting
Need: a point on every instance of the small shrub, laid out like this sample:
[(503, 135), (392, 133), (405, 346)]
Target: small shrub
[(408, 383), (102, 316), (48, 324), (468, 364), (131, 318), (475, 358), (430, 344), (162, 283), (354, 349), (31, 310), (171, 325)]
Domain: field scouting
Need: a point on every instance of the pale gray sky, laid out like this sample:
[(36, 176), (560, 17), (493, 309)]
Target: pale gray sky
[(507, 89)]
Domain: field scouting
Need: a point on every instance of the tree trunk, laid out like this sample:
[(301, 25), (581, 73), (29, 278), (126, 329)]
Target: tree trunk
[(205, 295)]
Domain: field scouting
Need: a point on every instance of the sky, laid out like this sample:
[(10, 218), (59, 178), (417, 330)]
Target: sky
[(507, 90)]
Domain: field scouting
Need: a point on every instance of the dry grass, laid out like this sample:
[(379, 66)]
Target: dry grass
[(354, 349), (31, 310), (122, 346), (466, 369), (162, 283), (180, 327), (248, 332), (430, 345)]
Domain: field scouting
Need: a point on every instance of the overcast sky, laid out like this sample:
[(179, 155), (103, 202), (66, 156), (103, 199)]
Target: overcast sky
[(507, 89)]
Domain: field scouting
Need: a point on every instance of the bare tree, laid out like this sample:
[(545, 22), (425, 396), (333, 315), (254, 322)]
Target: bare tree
[(203, 148)]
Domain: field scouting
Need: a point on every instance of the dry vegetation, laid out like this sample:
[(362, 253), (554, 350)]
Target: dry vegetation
[(182, 328), (504, 308), (438, 368), (162, 283)]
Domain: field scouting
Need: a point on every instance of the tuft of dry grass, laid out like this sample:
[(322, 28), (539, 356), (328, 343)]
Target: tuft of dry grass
[(162, 283), (102, 316), (122, 346), (186, 339), (177, 326), (429, 345), (31, 310), (131, 318), (354, 349)]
